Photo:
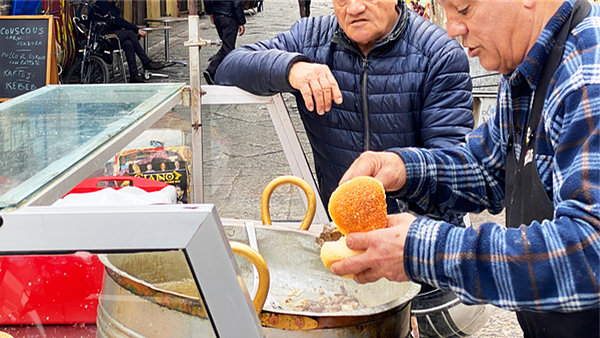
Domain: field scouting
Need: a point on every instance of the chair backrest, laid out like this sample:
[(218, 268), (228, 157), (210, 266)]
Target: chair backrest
[(114, 41)]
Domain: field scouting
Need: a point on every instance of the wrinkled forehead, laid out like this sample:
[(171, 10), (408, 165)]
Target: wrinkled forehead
[(378, 2)]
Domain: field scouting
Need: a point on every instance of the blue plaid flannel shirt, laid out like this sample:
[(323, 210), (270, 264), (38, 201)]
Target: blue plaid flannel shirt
[(549, 266)]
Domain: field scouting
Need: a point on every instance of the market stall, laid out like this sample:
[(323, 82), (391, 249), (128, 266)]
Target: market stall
[(54, 137)]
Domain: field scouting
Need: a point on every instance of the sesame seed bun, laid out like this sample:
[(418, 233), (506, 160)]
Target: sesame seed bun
[(359, 205)]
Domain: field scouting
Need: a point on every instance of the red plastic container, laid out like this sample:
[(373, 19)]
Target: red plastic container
[(57, 289), (93, 184)]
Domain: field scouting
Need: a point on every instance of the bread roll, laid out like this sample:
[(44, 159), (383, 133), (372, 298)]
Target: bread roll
[(359, 205), (332, 252)]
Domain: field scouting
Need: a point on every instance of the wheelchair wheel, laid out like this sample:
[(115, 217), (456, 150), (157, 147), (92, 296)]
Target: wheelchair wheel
[(96, 71)]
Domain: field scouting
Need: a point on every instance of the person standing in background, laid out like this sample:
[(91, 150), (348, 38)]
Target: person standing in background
[(228, 17), (304, 8)]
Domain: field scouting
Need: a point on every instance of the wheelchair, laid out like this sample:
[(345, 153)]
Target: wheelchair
[(100, 56)]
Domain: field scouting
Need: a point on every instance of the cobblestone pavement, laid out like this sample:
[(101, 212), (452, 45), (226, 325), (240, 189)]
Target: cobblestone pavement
[(241, 152)]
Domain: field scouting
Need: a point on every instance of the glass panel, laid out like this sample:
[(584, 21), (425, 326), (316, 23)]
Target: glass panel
[(45, 132), (151, 294), (147, 293), (242, 154)]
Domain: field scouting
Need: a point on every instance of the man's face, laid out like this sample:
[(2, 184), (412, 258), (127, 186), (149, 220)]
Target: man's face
[(366, 21), (491, 30)]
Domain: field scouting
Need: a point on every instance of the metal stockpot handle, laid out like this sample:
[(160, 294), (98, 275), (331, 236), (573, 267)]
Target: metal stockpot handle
[(310, 195), (263, 272)]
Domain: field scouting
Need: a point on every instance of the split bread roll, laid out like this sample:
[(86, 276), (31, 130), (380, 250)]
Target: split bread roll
[(355, 206), (332, 252)]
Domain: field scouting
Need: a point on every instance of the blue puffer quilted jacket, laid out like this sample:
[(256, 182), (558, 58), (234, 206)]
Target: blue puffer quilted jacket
[(412, 89)]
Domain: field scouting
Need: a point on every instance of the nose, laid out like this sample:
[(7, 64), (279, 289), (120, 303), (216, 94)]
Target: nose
[(456, 28), (355, 7)]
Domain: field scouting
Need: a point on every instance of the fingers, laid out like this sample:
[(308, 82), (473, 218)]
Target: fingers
[(329, 91), (307, 95), (317, 94), (335, 89), (364, 165), (387, 167), (349, 266), (367, 276), (357, 241), (326, 90), (317, 85), (382, 256), (321, 92)]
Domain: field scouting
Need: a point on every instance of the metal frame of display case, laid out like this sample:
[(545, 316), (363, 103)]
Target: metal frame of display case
[(194, 229)]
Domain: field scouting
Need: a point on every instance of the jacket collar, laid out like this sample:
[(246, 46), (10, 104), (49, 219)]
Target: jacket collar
[(340, 37)]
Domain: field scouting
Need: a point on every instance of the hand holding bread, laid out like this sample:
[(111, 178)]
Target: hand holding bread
[(357, 205)]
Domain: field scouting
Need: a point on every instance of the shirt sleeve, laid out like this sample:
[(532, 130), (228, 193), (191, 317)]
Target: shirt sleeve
[(552, 265)]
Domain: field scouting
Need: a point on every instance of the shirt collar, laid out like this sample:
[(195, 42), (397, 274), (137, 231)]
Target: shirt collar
[(530, 68)]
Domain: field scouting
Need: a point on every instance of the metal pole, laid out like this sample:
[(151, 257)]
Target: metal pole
[(195, 43), (195, 104)]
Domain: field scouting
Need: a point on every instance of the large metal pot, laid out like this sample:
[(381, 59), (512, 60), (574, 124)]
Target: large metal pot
[(304, 298), (157, 295)]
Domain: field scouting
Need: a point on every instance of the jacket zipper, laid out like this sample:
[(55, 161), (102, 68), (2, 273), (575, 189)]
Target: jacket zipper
[(365, 105)]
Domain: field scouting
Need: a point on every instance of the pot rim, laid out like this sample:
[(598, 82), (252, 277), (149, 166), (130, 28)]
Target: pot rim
[(193, 305)]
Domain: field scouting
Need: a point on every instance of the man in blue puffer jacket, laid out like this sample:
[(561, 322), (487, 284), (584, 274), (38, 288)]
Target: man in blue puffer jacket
[(394, 78)]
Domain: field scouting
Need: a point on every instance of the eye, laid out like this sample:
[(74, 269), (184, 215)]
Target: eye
[(463, 11)]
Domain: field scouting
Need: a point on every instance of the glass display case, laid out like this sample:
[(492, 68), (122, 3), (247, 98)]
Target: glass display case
[(50, 140), (170, 270)]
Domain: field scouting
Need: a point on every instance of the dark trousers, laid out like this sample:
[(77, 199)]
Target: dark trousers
[(227, 28), (131, 46), (304, 8), (560, 325)]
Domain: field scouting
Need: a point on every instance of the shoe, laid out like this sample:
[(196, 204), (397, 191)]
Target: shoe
[(137, 79), (153, 65), (208, 77)]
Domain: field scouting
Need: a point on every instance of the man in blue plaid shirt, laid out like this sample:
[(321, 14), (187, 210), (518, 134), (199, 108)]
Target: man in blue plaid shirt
[(538, 156)]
